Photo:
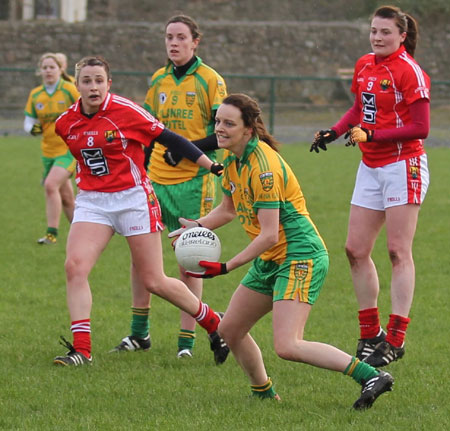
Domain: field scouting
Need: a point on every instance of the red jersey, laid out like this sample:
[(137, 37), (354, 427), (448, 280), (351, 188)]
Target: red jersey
[(108, 146), (384, 91)]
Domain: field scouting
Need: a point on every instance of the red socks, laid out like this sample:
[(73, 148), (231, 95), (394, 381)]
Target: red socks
[(369, 322), (81, 330), (206, 318), (397, 329)]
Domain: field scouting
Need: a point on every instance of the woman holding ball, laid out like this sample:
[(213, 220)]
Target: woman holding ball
[(289, 258)]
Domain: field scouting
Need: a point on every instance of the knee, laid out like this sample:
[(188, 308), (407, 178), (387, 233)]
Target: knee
[(75, 268), (283, 350), (355, 254), (228, 333), (50, 187), (289, 350), (153, 284), (397, 256), (351, 254)]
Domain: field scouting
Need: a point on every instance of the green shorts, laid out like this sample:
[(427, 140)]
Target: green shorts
[(191, 199), (65, 161), (299, 279)]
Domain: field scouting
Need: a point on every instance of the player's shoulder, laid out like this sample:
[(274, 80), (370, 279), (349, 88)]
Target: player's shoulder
[(66, 118), (208, 72), (37, 90), (68, 85), (408, 62), (159, 74), (365, 59), (122, 105)]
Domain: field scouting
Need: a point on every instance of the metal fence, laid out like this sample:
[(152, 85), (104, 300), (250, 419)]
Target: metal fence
[(287, 101)]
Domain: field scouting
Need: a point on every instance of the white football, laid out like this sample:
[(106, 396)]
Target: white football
[(196, 244)]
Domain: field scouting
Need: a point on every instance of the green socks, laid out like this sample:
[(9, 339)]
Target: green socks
[(186, 339), (140, 325), (359, 370), (264, 391)]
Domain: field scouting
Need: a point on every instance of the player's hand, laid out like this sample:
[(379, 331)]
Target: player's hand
[(322, 138), (185, 225), (216, 169), (212, 269), (355, 135), (172, 159), (36, 129)]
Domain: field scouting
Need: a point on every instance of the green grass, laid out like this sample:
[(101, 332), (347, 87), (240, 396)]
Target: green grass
[(154, 390)]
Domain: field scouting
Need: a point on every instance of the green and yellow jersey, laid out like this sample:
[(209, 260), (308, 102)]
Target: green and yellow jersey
[(47, 108), (186, 106), (262, 179)]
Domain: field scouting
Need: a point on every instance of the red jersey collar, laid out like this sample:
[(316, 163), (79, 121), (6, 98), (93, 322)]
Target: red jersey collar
[(104, 106), (391, 57)]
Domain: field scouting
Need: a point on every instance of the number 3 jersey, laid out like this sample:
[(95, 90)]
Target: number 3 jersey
[(108, 146), (385, 90)]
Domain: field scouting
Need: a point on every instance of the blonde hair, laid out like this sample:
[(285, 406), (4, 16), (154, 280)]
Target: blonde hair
[(54, 57)]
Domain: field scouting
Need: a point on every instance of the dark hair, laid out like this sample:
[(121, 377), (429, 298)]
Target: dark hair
[(95, 60), (190, 22), (406, 24), (251, 116)]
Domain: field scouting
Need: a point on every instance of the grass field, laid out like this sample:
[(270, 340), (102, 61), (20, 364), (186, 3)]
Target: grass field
[(155, 390)]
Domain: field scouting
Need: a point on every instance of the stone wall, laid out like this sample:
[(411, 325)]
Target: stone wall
[(293, 43)]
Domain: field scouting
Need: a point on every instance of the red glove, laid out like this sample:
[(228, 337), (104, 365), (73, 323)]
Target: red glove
[(212, 269)]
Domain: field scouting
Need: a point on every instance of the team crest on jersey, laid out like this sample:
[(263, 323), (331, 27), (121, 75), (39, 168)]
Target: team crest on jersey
[(162, 98), (301, 271), (110, 135), (266, 179), (190, 98), (385, 84), (232, 187), (39, 106), (414, 171)]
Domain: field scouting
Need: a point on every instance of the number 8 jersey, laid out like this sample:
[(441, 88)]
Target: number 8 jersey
[(108, 145)]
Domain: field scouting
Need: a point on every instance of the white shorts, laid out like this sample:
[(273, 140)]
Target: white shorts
[(399, 183), (129, 212)]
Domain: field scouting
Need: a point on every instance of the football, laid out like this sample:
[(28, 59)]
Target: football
[(196, 244)]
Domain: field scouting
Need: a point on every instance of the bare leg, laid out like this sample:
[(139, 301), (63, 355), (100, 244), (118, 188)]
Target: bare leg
[(56, 178), (401, 222), (85, 243), (363, 228), (195, 285), (289, 319), (146, 253), (141, 298), (68, 199), (245, 309)]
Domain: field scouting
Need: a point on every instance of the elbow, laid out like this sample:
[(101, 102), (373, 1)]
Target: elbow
[(425, 134), (272, 239)]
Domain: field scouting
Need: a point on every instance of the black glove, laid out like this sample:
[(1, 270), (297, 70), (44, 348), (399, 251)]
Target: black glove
[(216, 169), (172, 159), (36, 129), (321, 138)]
